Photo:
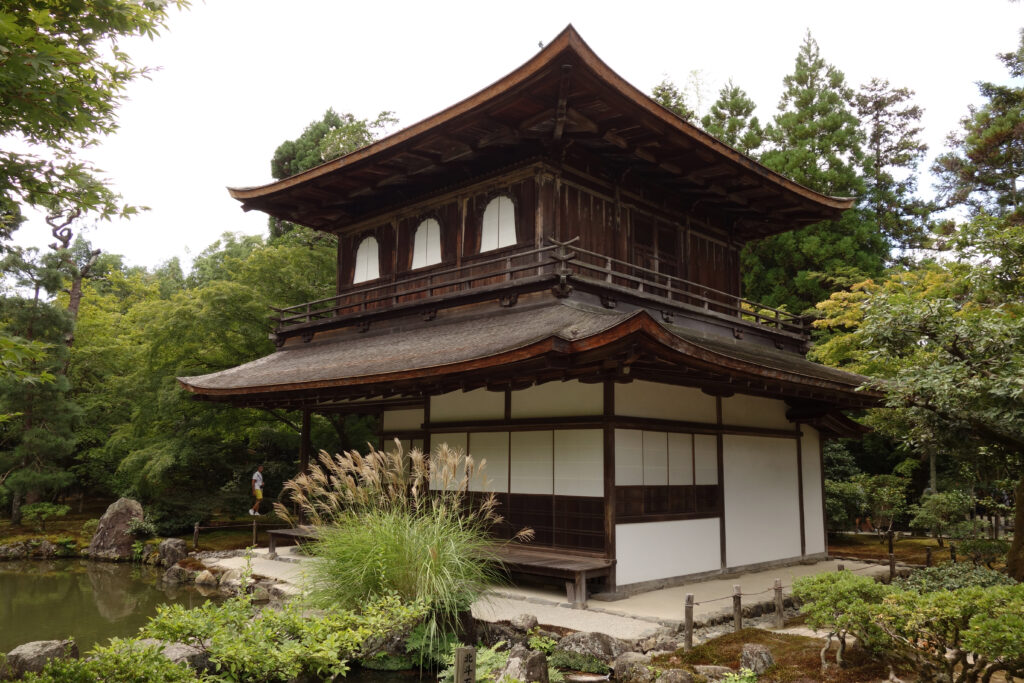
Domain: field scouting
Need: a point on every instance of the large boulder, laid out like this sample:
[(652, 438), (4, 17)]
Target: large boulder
[(757, 658), (524, 665), (32, 657), (631, 667), (178, 574), (675, 676), (598, 645), (112, 540), (713, 673), (193, 657), (172, 551)]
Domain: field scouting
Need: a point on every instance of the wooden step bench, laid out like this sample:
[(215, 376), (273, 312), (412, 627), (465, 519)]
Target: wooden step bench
[(299, 533), (550, 562)]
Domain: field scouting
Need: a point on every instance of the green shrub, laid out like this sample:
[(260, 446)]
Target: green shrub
[(140, 527), (66, 546), (385, 662), (541, 643), (428, 649), (38, 514), (952, 576), (744, 676), (89, 527), (575, 661), (845, 501), (986, 551), (939, 513), (120, 660), (489, 661)]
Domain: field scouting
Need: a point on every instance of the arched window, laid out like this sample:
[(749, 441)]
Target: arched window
[(367, 261), (499, 224), (426, 244)]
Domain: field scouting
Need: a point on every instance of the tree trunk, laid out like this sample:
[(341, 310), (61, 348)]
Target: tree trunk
[(1015, 559)]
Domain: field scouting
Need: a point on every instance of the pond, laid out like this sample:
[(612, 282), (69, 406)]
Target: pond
[(88, 601)]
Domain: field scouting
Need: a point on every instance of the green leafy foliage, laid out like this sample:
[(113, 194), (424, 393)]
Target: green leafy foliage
[(140, 527), (541, 643), (490, 659), (280, 644), (38, 514), (64, 77), (744, 676), (942, 514), (731, 120), (984, 551), (576, 661), (120, 660), (668, 95), (844, 603), (952, 576), (429, 649), (845, 502)]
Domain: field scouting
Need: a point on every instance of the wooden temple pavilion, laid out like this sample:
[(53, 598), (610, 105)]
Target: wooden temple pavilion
[(546, 274)]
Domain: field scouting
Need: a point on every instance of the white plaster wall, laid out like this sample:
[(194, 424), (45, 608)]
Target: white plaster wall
[(558, 399), (705, 457), (402, 420), (489, 449), (753, 411), (814, 519), (762, 514), (664, 401), (660, 550), (629, 457), (457, 406), (532, 463), (579, 462)]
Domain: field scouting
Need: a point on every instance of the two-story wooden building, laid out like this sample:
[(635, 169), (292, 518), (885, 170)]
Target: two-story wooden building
[(546, 274)]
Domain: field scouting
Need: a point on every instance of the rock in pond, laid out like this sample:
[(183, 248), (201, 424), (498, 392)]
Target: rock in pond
[(112, 540), (524, 665), (179, 574), (32, 657), (172, 551)]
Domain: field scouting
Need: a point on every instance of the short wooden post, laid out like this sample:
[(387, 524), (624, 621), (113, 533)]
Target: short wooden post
[(841, 567), (688, 623), (737, 608), (892, 566), (465, 665), (195, 537), (780, 617), (927, 557), (952, 552), (254, 533)]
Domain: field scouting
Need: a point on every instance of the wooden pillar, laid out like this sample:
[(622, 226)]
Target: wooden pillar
[(609, 479), (800, 489), (304, 441)]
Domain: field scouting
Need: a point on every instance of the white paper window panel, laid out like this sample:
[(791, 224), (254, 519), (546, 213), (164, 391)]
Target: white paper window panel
[(367, 261), (629, 457), (455, 441), (705, 459), (499, 224), (579, 462), (665, 402), (655, 458), (426, 244), (478, 404), (401, 420), (532, 466), (491, 450), (680, 459), (558, 399), (754, 411)]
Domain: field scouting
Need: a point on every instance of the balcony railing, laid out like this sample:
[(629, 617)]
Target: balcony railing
[(557, 260)]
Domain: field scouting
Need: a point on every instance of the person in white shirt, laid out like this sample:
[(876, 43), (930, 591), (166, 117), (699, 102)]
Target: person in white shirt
[(257, 491)]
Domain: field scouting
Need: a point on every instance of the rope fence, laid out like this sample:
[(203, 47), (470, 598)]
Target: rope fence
[(255, 526)]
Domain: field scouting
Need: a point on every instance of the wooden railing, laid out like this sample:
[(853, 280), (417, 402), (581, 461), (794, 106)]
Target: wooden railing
[(561, 260)]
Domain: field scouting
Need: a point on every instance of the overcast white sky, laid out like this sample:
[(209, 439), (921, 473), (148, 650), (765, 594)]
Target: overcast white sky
[(238, 77)]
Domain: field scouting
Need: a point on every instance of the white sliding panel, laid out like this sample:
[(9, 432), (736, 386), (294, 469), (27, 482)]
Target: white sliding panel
[(629, 457), (491, 450), (579, 462), (532, 460)]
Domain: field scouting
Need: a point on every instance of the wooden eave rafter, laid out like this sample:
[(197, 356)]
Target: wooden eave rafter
[(581, 96)]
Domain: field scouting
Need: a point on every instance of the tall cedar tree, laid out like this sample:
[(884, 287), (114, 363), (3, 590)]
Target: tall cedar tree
[(984, 169), (816, 140), (36, 446), (730, 120), (332, 136), (894, 150)]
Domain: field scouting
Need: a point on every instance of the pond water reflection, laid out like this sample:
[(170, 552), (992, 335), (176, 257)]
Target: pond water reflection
[(89, 601)]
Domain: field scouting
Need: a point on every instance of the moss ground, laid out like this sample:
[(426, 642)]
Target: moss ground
[(869, 547), (797, 658)]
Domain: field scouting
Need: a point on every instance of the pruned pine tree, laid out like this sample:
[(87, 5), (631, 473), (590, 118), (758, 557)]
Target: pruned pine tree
[(893, 152), (816, 140), (731, 120), (984, 167)]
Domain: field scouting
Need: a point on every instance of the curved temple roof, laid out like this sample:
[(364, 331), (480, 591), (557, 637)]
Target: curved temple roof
[(563, 94), (511, 347)]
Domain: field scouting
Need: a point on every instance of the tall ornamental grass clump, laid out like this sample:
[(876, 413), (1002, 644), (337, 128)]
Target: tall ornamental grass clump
[(399, 524)]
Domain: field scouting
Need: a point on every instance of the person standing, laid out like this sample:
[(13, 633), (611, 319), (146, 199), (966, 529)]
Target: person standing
[(257, 491)]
